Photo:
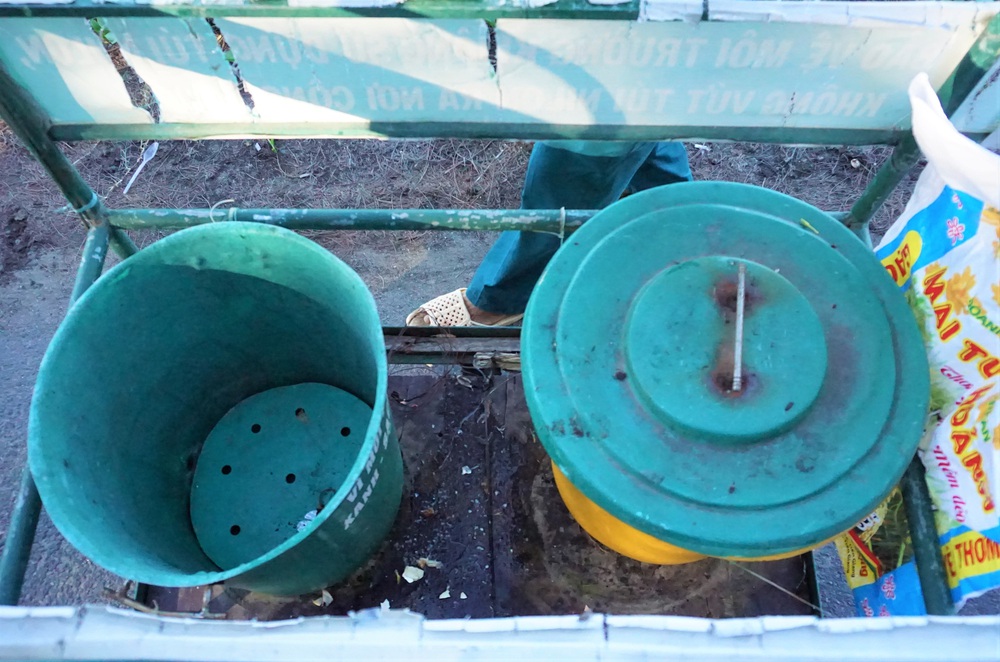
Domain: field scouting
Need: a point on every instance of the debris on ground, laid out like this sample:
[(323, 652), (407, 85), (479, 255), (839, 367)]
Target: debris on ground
[(412, 574)]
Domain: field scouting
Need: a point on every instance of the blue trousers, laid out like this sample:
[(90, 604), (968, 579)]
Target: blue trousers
[(574, 175)]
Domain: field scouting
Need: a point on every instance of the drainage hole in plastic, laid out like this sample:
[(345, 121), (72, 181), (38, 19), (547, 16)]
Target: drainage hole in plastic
[(235, 529), (290, 478), (345, 432), (226, 470), (255, 428), (300, 414)]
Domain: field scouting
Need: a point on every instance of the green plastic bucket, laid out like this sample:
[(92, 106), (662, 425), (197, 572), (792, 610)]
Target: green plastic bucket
[(214, 408), (630, 346)]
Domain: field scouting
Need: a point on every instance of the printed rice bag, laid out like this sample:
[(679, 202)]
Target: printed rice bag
[(944, 253)]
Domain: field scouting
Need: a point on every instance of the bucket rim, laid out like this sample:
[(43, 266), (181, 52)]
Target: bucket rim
[(171, 246)]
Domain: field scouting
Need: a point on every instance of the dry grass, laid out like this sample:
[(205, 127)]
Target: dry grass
[(830, 178), (316, 173), (390, 175)]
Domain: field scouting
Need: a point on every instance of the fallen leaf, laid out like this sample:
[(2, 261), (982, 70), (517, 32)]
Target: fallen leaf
[(412, 574), (398, 578), (446, 594)]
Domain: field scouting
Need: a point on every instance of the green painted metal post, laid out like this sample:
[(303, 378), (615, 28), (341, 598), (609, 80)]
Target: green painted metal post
[(533, 220), (28, 506), (20, 536), (904, 157), (95, 249), (553, 221), (122, 243), (926, 549), (31, 124)]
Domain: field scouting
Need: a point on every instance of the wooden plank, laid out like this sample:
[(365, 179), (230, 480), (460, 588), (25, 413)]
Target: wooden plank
[(478, 9), (62, 63), (363, 70), (788, 75), (184, 67)]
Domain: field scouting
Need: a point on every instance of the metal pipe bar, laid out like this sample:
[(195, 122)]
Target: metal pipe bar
[(903, 158), (31, 125), (20, 536), (28, 506), (926, 548), (404, 350), (95, 249), (554, 221), (542, 220), (122, 244), (452, 331), (474, 130)]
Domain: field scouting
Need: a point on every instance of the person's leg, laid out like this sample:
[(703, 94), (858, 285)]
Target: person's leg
[(666, 164), (574, 175)]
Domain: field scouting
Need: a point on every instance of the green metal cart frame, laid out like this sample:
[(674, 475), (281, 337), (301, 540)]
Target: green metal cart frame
[(966, 68)]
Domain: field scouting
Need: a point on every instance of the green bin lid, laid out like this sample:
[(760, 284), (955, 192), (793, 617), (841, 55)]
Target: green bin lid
[(629, 359)]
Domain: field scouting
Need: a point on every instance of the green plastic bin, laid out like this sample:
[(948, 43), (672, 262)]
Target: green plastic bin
[(214, 408), (630, 346)]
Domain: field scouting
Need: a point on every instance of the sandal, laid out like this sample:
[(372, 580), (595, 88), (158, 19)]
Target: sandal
[(450, 310)]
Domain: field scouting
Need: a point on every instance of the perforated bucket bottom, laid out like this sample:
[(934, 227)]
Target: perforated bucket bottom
[(270, 464)]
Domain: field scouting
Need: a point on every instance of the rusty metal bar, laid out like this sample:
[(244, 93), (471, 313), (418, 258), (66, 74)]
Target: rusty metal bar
[(417, 350)]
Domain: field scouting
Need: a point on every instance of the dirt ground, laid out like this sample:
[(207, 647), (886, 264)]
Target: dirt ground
[(402, 268), (40, 242)]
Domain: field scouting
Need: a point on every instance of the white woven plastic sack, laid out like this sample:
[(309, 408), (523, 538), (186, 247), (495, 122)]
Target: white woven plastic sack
[(944, 253)]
